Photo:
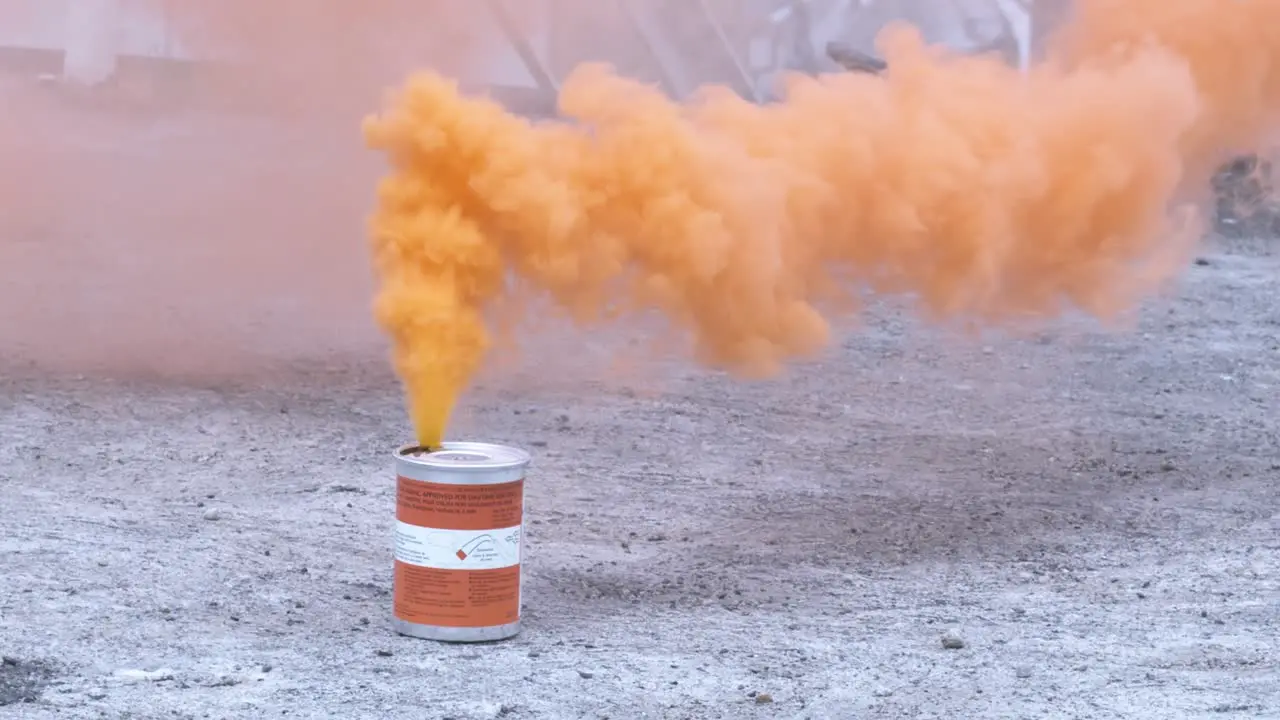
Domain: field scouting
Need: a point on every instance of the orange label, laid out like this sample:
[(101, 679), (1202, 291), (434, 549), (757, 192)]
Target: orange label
[(459, 507), (457, 598), (458, 553)]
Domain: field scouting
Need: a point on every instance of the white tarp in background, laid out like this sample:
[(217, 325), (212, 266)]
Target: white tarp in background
[(91, 41)]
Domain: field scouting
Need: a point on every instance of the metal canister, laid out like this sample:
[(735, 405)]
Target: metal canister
[(459, 516)]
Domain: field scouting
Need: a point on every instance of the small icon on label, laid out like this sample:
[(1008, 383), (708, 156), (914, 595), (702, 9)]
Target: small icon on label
[(479, 544)]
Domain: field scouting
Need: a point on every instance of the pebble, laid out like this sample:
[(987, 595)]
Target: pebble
[(1023, 671), (951, 640), (585, 675), (682, 425), (136, 676), (764, 699), (213, 514)]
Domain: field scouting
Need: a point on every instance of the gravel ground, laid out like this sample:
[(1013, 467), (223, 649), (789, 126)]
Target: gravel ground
[(1073, 525)]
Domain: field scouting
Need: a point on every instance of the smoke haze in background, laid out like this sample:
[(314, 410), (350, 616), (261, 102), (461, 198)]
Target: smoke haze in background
[(207, 221)]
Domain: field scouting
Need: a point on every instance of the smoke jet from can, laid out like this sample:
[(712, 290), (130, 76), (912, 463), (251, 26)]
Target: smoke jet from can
[(984, 194)]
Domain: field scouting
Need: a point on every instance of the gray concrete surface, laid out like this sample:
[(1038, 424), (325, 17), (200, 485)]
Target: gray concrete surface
[(1093, 516)]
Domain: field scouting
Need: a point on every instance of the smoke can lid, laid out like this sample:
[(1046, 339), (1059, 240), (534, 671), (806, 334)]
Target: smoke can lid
[(466, 456)]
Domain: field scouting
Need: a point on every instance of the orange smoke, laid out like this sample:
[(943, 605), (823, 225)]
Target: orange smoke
[(985, 194)]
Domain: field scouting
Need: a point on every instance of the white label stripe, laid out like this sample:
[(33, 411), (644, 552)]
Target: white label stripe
[(457, 549)]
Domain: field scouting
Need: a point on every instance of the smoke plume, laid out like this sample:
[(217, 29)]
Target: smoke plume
[(984, 194)]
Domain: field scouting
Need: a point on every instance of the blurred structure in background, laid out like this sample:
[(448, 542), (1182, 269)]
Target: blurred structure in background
[(167, 53), (520, 47)]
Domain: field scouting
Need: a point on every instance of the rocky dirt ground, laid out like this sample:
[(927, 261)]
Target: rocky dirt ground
[(1076, 525)]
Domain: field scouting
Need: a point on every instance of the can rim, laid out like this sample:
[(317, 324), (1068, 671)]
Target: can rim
[(464, 457)]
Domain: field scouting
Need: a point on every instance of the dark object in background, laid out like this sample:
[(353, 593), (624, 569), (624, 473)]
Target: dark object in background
[(1246, 202), (854, 60)]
